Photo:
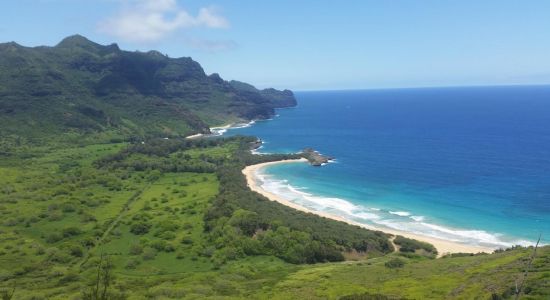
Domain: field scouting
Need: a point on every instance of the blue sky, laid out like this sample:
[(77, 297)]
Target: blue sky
[(305, 45)]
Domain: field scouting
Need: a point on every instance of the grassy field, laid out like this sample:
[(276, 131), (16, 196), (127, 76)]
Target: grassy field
[(61, 214)]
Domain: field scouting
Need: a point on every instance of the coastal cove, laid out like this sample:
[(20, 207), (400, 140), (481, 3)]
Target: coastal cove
[(253, 176), (410, 167)]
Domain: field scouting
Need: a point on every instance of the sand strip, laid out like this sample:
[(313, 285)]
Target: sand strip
[(194, 136)]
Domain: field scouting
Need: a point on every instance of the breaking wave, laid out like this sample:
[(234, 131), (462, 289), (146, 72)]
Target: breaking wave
[(381, 218)]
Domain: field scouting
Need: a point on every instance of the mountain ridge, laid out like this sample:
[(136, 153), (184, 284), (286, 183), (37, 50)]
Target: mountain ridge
[(82, 87)]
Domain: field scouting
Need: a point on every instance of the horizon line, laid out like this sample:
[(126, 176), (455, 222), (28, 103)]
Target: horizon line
[(423, 87)]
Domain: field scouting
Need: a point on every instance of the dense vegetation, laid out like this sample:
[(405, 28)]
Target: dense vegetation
[(80, 87), (239, 222), (173, 219), (407, 245), (101, 198)]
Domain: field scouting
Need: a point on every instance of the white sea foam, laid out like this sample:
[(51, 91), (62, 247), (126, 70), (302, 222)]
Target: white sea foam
[(243, 125), (418, 218), (400, 213), (218, 131), (367, 216), (296, 190), (399, 220), (257, 150)]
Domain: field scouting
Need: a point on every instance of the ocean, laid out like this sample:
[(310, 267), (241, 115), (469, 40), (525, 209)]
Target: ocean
[(469, 164)]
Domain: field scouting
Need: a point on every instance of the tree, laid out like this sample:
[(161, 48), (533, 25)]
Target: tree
[(101, 285), (519, 288), (246, 220)]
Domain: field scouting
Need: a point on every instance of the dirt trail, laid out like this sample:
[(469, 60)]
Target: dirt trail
[(113, 224)]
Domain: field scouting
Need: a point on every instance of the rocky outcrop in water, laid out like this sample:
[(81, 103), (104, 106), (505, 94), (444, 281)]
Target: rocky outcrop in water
[(315, 158)]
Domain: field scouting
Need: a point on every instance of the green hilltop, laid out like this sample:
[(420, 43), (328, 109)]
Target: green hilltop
[(102, 197), (81, 87)]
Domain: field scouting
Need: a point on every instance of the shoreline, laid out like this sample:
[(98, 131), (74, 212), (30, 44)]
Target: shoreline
[(215, 131), (443, 247), (220, 130)]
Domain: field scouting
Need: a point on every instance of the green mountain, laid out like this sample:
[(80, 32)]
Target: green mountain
[(79, 86)]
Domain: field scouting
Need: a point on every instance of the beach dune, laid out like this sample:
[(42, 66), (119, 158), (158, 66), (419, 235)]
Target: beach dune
[(443, 247)]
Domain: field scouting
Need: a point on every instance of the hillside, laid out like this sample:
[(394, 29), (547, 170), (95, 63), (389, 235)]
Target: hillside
[(96, 203), (81, 87), (173, 219)]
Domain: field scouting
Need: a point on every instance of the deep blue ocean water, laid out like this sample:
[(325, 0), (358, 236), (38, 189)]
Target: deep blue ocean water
[(463, 164)]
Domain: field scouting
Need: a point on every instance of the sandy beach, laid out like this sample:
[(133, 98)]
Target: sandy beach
[(214, 131), (194, 136), (443, 246)]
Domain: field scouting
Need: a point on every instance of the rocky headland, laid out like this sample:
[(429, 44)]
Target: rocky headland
[(315, 158)]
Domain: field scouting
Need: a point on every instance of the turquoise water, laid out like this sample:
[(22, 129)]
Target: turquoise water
[(463, 164)]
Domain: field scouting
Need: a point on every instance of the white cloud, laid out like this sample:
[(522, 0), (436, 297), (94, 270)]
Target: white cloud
[(210, 45), (151, 20), (209, 17)]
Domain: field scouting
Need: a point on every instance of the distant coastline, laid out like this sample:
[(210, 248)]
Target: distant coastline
[(220, 130), (443, 246)]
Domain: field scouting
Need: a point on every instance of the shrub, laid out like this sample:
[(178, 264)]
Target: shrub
[(395, 263), (86, 217), (55, 216), (136, 249), (10, 222), (208, 251), (40, 250), (168, 235), (76, 251), (68, 207), (132, 264), (169, 248), (167, 226), (88, 242), (453, 255), (53, 238), (149, 253), (159, 245), (224, 288), (54, 255), (140, 228), (410, 245), (187, 240), (71, 231), (69, 277)]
